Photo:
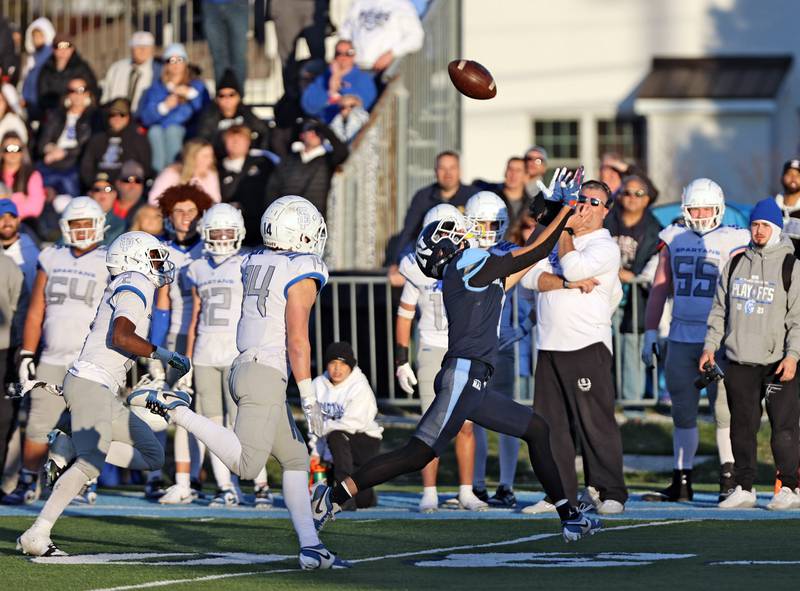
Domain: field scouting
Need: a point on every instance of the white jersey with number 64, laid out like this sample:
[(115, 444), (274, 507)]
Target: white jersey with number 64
[(267, 276)]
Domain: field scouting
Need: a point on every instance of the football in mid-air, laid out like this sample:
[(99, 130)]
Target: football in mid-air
[(472, 79)]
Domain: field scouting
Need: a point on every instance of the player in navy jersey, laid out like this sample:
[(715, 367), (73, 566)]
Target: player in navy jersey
[(474, 282)]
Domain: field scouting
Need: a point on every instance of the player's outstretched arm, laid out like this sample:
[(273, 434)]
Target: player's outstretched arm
[(124, 338)]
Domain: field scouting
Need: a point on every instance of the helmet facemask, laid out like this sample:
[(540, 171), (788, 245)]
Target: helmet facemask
[(222, 240), (162, 269), (84, 236), (705, 224)]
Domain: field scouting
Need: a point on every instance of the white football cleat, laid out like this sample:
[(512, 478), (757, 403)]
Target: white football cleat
[(320, 558), (429, 503), (323, 508), (739, 499), (543, 506), (225, 497), (61, 452), (590, 498), (35, 542), (469, 502), (263, 497), (177, 494), (784, 500), (610, 507), (578, 527), (159, 402)]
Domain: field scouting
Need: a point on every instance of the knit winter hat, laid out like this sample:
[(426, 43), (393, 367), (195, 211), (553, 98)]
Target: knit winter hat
[(229, 80), (768, 211), (342, 351)]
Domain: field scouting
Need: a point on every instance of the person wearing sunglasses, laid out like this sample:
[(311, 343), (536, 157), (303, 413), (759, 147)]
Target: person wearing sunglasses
[(64, 136), (535, 168), (343, 77), (635, 229), (131, 194), (63, 66), (170, 109), (120, 141), (227, 110), (579, 290), (105, 194), (18, 173)]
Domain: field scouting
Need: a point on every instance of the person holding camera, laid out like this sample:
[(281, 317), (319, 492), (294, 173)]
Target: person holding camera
[(756, 313)]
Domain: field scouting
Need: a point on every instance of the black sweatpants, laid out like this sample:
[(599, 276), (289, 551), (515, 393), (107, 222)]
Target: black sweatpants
[(574, 393), (746, 386), (7, 409), (350, 451)]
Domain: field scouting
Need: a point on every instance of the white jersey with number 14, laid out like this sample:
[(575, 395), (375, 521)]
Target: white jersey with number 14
[(426, 293)]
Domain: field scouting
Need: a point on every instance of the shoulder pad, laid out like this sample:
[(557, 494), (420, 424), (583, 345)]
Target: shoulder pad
[(472, 256)]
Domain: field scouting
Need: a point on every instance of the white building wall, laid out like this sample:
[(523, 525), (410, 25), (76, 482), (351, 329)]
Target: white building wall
[(584, 59)]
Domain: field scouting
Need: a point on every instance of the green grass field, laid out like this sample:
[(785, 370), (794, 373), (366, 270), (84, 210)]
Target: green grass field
[(694, 548)]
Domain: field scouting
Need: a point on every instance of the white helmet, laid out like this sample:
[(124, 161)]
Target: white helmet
[(222, 216), (142, 252), (486, 206), (293, 223), (439, 212), (83, 208), (703, 193)]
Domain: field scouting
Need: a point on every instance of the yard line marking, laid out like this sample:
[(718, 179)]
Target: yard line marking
[(532, 538)]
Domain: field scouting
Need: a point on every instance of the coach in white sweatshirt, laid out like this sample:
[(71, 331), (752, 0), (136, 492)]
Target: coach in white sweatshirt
[(350, 435), (579, 289)]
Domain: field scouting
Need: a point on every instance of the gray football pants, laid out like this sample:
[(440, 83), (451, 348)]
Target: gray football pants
[(680, 371), (99, 419), (264, 423), (46, 410), (213, 394)]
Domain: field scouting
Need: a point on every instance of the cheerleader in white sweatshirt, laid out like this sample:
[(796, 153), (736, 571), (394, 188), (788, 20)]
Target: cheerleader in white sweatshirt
[(350, 435)]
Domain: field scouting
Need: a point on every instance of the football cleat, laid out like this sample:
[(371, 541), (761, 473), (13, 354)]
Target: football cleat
[(155, 489), (590, 498), (610, 507), (481, 494), (225, 497), (263, 497), (319, 557), (503, 498), (87, 494), (680, 490), (35, 542), (727, 483), (61, 453), (739, 499), (543, 506), (579, 526), (322, 507), (178, 494), (159, 402), (784, 500), (27, 490)]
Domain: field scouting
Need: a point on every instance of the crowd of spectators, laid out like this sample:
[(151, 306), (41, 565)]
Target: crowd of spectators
[(154, 118)]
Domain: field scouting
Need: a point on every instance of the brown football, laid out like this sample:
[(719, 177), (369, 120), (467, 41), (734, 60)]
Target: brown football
[(472, 79)]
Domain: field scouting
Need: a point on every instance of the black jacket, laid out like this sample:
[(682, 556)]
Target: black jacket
[(107, 150), (421, 203), (247, 188), (311, 179), (212, 124), (644, 252), (53, 84), (51, 130)]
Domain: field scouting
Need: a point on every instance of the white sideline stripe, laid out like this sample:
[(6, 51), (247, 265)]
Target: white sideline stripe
[(755, 563), (533, 538)]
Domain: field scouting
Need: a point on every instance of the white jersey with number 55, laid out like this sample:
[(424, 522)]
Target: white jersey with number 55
[(220, 289), (73, 290), (426, 293), (696, 261), (267, 276)]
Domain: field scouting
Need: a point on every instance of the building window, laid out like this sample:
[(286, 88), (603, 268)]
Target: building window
[(561, 139), (624, 137)]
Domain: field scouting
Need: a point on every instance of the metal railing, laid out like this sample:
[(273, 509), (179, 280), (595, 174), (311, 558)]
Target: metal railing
[(417, 116)]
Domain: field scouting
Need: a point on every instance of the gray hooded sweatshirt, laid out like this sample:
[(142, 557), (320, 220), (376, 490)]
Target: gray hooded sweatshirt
[(763, 323)]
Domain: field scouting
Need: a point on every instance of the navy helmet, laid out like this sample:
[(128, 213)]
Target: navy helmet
[(438, 243)]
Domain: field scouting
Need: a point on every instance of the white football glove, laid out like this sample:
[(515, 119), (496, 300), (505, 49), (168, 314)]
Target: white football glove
[(156, 370), (184, 384), (311, 408), (406, 378), (650, 347), (26, 370)]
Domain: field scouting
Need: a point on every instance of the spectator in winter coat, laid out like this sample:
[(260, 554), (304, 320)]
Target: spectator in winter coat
[(130, 191), (63, 137), (322, 97), (350, 435), (228, 110), (308, 170), (11, 121), (107, 150), (382, 31), (22, 179), (171, 107), (128, 78), (243, 177), (39, 47), (64, 65), (105, 194)]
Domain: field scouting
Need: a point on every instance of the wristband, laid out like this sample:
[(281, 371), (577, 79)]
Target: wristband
[(565, 284), (400, 355), (306, 390), (570, 231)]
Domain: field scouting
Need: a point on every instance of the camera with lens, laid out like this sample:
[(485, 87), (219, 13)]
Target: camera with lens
[(711, 373)]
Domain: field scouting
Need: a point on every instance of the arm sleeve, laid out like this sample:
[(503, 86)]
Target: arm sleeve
[(590, 262), (793, 315), (715, 330), (497, 267)]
